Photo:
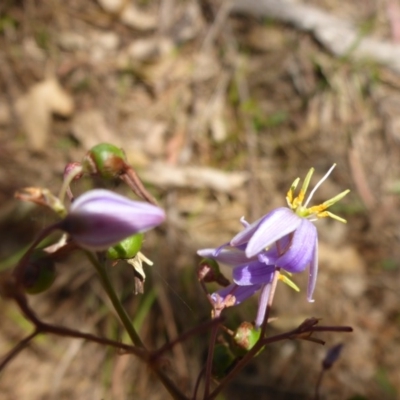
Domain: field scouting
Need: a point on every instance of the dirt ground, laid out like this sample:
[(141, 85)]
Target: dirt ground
[(219, 114)]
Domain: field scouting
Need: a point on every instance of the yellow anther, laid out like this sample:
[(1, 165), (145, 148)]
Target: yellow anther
[(288, 282), (316, 209), (335, 199), (334, 216), (296, 203), (290, 193)]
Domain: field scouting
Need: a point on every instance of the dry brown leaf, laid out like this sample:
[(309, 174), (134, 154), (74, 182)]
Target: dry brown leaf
[(36, 108), (90, 128), (164, 175), (149, 49), (129, 14)]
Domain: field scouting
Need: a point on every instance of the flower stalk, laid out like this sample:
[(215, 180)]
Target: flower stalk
[(127, 323)]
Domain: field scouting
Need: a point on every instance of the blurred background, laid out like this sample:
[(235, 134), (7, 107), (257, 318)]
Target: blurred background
[(219, 106)]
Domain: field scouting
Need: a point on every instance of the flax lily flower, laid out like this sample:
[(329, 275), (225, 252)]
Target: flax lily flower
[(290, 232)]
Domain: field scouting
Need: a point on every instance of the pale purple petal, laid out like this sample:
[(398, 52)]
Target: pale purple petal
[(253, 273), (271, 256), (245, 235), (313, 272), (226, 255), (301, 250), (244, 222), (100, 218), (240, 293), (262, 304), (272, 227)]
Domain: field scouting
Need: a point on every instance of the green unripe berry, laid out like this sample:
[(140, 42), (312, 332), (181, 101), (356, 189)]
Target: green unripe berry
[(127, 248), (105, 160), (245, 337), (223, 361), (40, 273)]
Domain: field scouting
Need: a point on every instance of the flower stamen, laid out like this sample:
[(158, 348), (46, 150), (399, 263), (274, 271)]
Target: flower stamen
[(295, 203), (288, 282), (319, 184), (290, 193)]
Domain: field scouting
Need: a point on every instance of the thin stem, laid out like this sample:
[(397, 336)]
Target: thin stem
[(17, 349), (67, 182), (126, 321), (211, 347), (191, 332), (197, 385), (43, 327), (124, 317), (318, 385), (298, 333)]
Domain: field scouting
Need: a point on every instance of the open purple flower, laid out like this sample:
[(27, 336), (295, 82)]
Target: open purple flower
[(292, 239), (290, 233), (284, 239), (100, 218)]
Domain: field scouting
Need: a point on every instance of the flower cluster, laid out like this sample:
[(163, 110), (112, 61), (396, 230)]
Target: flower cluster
[(285, 239)]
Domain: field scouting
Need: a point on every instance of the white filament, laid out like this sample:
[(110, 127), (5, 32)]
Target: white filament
[(319, 184)]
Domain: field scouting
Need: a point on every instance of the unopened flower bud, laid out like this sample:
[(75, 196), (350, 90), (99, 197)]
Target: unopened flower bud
[(331, 356), (100, 219), (105, 160), (208, 271)]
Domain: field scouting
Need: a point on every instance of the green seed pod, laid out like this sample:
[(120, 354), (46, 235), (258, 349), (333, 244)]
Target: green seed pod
[(105, 160), (245, 337), (40, 273), (127, 248)]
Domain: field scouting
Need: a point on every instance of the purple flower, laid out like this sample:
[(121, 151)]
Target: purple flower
[(284, 239), (290, 232), (100, 218), (291, 239)]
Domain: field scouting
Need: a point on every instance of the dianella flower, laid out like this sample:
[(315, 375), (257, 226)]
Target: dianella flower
[(100, 218), (290, 232), (284, 240)]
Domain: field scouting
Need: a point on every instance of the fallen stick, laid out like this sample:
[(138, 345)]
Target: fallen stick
[(337, 35)]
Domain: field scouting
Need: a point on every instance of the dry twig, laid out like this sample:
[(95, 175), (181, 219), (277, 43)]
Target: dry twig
[(339, 36)]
